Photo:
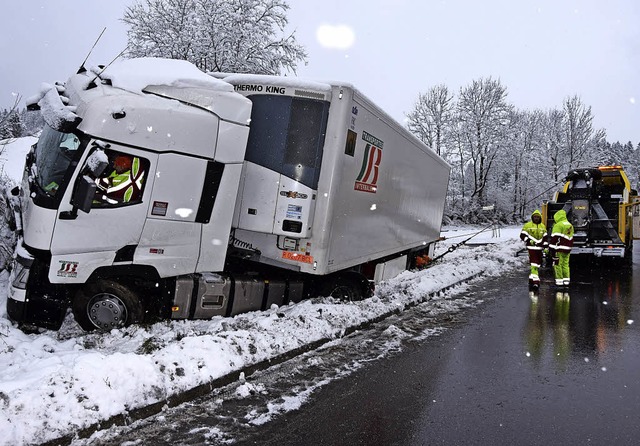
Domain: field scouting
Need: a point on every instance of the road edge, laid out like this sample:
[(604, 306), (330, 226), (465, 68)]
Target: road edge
[(147, 411)]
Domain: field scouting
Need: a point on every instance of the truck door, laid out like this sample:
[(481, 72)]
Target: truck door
[(112, 228)]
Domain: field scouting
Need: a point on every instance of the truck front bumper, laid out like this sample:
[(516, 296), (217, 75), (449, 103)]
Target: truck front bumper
[(31, 300), (17, 298), (600, 251)]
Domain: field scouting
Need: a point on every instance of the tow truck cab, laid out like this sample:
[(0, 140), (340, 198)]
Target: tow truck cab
[(599, 202)]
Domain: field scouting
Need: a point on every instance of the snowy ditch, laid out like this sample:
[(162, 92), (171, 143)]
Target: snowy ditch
[(55, 386)]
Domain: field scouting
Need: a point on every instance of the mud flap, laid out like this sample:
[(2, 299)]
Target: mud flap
[(43, 311)]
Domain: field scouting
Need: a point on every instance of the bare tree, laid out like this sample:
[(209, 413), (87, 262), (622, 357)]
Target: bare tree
[(244, 36), (431, 116), (484, 116)]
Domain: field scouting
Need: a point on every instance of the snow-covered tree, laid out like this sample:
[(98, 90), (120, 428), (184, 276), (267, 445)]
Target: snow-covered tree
[(632, 166), (457, 155), (510, 158), (595, 146), (32, 122), (11, 126), (525, 171), (4, 125), (553, 141), (624, 155), (431, 116), (243, 36), (578, 130), (484, 118)]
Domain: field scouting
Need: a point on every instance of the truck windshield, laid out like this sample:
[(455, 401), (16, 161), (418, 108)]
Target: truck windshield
[(287, 135), (54, 153)]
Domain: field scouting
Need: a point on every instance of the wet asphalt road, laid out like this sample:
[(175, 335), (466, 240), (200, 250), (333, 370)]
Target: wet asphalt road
[(554, 368)]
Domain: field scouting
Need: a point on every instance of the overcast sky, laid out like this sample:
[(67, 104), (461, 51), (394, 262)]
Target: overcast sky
[(392, 50)]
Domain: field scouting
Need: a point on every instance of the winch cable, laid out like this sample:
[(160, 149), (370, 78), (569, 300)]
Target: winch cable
[(455, 246), (492, 225)]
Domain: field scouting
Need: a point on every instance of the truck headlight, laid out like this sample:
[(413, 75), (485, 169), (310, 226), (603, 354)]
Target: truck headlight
[(19, 276)]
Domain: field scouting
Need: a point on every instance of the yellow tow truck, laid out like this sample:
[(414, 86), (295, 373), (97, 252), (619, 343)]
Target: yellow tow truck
[(603, 208)]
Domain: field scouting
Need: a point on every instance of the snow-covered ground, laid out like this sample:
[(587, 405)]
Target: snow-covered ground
[(54, 383), (12, 156)]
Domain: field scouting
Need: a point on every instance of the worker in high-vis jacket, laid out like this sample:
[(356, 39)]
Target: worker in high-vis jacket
[(124, 183), (534, 235), (560, 246)]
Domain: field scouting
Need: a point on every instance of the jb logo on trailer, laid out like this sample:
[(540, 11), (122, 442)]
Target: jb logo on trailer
[(367, 179)]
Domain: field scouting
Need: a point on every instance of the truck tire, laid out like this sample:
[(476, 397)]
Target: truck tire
[(105, 305), (343, 287)]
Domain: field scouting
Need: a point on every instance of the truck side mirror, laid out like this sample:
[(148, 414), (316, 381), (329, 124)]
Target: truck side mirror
[(82, 197), (83, 194)]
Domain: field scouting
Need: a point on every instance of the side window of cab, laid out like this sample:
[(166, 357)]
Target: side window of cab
[(123, 181)]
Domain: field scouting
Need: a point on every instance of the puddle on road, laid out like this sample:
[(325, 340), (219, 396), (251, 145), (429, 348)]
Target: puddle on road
[(588, 320)]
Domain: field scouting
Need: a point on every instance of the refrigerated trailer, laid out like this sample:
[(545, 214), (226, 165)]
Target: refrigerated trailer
[(242, 191)]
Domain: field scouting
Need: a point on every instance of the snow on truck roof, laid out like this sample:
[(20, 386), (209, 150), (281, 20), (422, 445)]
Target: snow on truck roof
[(131, 75), (135, 75)]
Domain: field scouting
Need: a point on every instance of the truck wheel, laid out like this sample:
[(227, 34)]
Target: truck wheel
[(105, 305), (348, 288)]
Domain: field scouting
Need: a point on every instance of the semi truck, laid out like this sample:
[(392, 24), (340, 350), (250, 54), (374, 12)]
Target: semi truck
[(159, 191), (602, 206)]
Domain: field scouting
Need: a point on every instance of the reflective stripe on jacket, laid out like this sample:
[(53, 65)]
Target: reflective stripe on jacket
[(534, 235), (562, 233)]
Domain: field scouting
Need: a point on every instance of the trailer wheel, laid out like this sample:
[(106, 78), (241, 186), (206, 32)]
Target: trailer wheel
[(105, 305), (343, 287)]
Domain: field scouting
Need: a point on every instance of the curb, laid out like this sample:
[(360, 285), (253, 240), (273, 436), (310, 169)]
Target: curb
[(204, 389)]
